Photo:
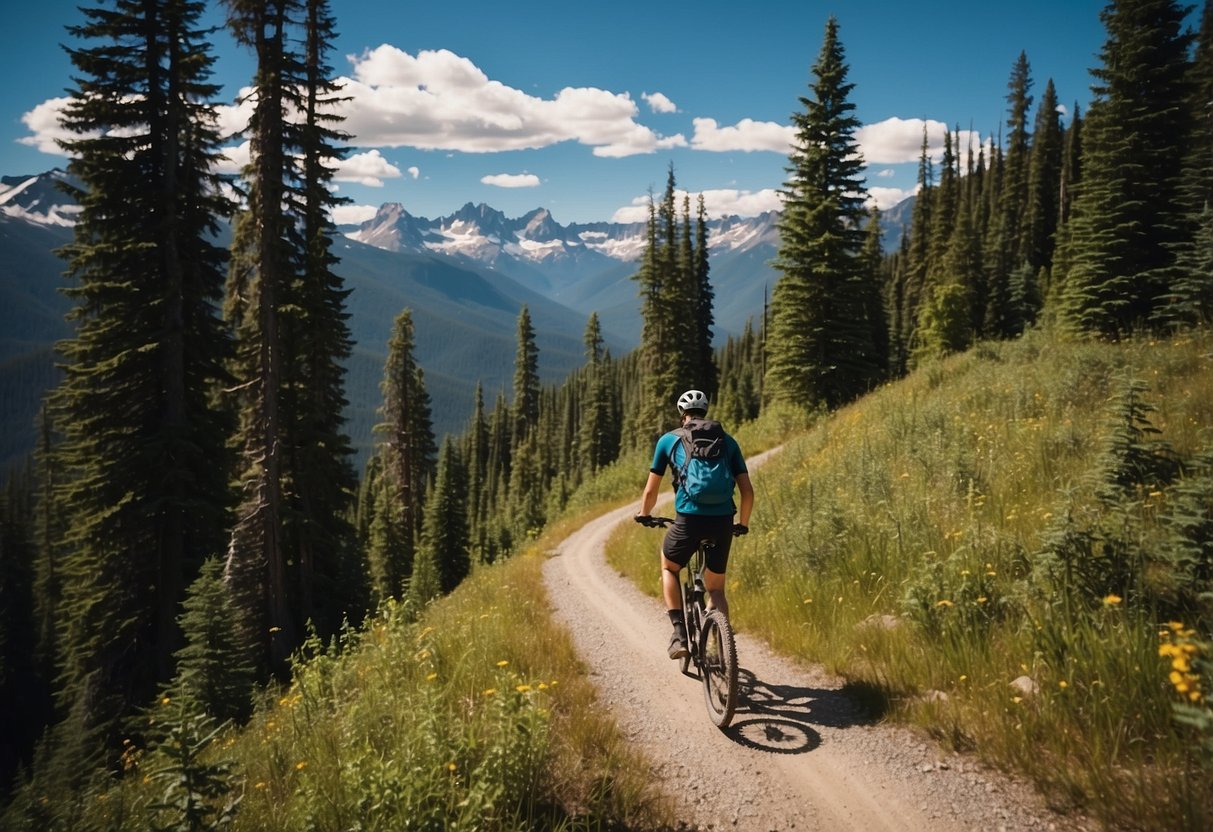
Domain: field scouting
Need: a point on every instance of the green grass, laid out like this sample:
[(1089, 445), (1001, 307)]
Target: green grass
[(963, 502), (479, 715)]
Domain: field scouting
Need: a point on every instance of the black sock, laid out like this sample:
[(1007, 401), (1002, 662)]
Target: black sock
[(678, 619)]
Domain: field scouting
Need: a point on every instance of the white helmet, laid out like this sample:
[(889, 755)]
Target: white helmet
[(692, 400)]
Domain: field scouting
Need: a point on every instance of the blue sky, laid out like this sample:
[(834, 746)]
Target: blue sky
[(581, 107)]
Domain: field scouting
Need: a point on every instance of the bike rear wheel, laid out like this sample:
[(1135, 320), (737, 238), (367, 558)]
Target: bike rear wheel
[(718, 668)]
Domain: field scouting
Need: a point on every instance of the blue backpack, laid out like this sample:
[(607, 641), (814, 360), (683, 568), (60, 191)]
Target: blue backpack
[(704, 476)]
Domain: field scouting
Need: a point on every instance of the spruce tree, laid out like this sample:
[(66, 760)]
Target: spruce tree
[(1003, 247), (143, 487), (406, 462), (913, 286), (526, 380), (820, 350), (444, 541), (706, 374), (1128, 216)]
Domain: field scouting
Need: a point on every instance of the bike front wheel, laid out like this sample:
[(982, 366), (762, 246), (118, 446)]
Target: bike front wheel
[(718, 668)]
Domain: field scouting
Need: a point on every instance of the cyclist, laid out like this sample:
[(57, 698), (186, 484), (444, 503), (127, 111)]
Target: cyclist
[(693, 521)]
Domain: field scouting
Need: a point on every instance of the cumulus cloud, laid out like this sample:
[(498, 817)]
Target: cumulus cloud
[(437, 100), (43, 123), (746, 135), (884, 198), (718, 202), (353, 214), (897, 140), (511, 180), (659, 103), (414, 171), (368, 168)]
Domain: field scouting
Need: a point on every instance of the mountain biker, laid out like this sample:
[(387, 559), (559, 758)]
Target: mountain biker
[(694, 522)]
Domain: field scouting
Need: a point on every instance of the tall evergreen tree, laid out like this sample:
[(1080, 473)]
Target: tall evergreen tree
[(444, 541), (144, 484), (406, 455), (290, 557), (819, 348), (526, 380), (1128, 216), (1003, 246), (1043, 192), (707, 374)]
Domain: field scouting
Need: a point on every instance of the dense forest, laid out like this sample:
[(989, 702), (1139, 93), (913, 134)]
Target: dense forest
[(192, 513)]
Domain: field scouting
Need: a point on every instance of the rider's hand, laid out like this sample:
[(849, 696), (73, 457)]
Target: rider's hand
[(739, 529), (644, 519)]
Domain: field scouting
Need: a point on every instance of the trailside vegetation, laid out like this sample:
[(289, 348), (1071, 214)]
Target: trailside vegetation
[(232, 630)]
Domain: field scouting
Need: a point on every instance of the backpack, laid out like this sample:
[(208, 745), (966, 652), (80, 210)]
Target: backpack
[(704, 476)]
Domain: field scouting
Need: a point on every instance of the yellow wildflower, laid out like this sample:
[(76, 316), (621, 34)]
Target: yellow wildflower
[(301, 765), (1112, 600), (523, 688), (944, 603), (490, 691), (503, 663)]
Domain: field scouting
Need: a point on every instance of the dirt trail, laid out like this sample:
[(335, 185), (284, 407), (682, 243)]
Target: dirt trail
[(798, 755)]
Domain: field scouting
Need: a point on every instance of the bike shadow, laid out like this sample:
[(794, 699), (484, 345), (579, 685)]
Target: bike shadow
[(781, 718)]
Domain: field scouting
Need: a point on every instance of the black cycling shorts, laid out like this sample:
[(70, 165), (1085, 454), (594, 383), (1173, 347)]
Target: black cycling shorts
[(682, 539)]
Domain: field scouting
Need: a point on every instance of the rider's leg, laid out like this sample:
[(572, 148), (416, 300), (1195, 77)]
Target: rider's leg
[(713, 582), (671, 591)]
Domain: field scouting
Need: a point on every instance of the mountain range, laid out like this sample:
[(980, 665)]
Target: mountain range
[(465, 277)]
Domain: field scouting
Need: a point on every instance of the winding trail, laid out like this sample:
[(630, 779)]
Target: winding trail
[(799, 753)]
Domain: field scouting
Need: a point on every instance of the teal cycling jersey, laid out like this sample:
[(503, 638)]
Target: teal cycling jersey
[(671, 453)]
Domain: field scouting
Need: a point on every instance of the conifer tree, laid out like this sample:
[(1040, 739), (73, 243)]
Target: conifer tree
[(917, 259), (144, 482), (1044, 175), (1128, 215), (526, 380), (444, 540), (1003, 246), (406, 462), (597, 439), (290, 557), (213, 667), (819, 348), (706, 374)]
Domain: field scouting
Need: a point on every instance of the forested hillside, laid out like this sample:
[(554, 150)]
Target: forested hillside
[(193, 526)]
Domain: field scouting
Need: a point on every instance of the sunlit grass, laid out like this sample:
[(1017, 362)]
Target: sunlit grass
[(899, 543)]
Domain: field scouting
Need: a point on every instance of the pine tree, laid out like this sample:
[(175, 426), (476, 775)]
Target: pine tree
[(598, 440), (819, 348), (526, 380), (406, 459), (213, 667), (330, 583), (143, 476), (1003, 246), (658, 377), (1127, 216), (444, 541), (706, 373), (1044, 175), (913, 286), (290, 557)]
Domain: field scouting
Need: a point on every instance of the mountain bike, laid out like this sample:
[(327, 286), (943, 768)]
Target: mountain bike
[(710, 643)]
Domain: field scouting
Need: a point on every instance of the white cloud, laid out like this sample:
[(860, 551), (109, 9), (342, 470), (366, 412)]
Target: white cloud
[(885, 198), (887, 173), (511, 180), (43, 122), (368, 169), (353, 214), (414, 171), (718, 202), (659, 102), (438, 100), (896, 140), (747, 135), (234, 159)]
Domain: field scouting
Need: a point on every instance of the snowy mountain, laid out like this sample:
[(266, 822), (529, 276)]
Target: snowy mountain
[(38, 199)]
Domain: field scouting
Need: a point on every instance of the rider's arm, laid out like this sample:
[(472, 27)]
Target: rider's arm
[(745, 491), (649, 498)]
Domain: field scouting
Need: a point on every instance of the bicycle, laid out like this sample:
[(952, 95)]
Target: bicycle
[(710, 642)]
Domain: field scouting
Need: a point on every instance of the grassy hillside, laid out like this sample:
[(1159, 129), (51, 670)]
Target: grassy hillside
[(1036, 511)]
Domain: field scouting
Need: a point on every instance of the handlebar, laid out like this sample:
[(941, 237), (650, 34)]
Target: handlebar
[(661, 522)]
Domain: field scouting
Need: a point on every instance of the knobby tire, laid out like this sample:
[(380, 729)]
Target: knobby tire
[(718, 668)]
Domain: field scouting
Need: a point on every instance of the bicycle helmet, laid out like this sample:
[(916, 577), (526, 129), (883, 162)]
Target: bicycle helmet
[(692, 400)]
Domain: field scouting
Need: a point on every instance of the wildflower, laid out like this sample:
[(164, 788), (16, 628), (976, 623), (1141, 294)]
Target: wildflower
[(944, 603), (808, 600), (543, 686), (982, 599), (1016, 699), (503, 663), (431, 677), (301, 765), (165, 700), (1112, 600), (490, 691), (452, 767), (1063, 684), (964, 678), (523, 688)]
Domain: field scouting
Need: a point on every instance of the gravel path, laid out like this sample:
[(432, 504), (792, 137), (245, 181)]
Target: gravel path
[(798, 755)]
